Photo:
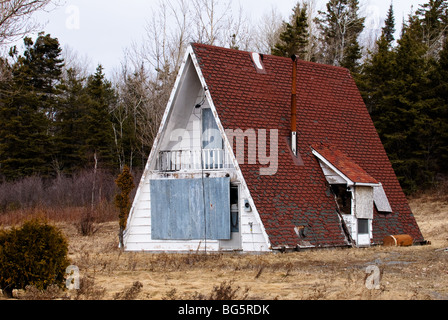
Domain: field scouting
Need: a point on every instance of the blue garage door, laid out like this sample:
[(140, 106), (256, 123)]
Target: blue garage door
[(178, 213)]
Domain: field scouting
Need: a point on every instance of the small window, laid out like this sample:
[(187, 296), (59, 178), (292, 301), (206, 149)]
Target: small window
[(211, 136), (363, 226)]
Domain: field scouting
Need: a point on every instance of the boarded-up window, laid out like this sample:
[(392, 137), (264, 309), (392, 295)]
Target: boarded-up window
[(178, 212), (364, 202)]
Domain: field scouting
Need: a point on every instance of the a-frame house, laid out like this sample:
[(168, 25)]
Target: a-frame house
[(258, 153)]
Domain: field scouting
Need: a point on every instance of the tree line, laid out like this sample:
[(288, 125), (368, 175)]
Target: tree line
[(56, 119)]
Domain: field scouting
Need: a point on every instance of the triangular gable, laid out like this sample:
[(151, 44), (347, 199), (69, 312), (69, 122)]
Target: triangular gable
[(189, 81)]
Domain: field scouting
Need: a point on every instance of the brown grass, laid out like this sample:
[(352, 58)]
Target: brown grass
[(102, 212), (419, 272)]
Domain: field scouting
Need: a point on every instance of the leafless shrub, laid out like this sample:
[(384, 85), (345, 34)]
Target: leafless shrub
[(61, 199), (318, 292), (260, 271), (24, 193), (86, 225), (88, 290), (53, 292), (171, 295), (74, 191), (130, 293), (224, 291)]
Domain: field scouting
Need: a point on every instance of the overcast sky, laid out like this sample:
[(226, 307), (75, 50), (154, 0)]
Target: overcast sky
[(103, 29)]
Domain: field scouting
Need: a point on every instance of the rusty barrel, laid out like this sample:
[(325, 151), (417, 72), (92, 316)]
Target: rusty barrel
[(401, 240)]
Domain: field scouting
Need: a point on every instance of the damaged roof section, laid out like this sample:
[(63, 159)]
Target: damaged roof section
[(343, 165)]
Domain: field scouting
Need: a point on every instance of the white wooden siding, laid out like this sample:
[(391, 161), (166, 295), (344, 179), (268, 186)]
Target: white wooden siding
[(332, 176)]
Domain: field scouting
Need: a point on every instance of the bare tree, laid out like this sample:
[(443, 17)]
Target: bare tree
[(149, 70), (239, 33), (313, 42), (340, 26), (15, 18), (80, 65), (150, 67), (139, 110), (211, 17), (166, 38), (268, 31)]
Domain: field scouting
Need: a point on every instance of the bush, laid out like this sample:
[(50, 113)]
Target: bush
[(33, 255)]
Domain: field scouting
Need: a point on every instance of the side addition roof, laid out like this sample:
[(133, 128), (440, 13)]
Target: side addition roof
[(342, 162)]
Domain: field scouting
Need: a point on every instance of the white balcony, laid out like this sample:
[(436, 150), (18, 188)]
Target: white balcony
[(184, 160)]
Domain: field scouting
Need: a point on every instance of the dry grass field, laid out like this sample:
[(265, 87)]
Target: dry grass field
[(418, 272)]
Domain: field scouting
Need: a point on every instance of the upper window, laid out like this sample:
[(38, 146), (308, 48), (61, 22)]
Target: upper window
[(211, 136)]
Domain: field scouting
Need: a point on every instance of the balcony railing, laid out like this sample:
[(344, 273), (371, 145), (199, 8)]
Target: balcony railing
[(211, 159)]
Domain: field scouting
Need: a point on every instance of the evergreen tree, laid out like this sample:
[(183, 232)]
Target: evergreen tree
[(405, 89), (433, 134), (340, 26), (433, 18), (70, 129), (402, 108), (125, 182), (27, 109), (294, 39), (388, 30), (378, 69), (98, 133)]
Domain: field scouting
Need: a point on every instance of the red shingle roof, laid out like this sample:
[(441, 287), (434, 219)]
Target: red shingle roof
[(330, 110), (344, 164)]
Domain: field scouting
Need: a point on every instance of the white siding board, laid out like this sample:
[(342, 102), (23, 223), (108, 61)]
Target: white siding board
[(138, 238), (141, 222), (140, 232), (331, 176), (171, 246), (253, 238), (144, 204)]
